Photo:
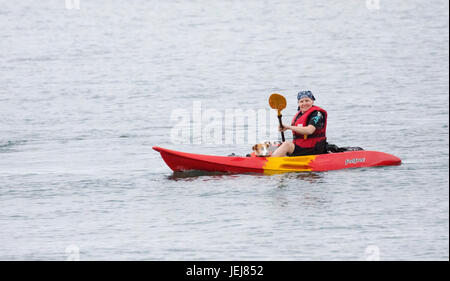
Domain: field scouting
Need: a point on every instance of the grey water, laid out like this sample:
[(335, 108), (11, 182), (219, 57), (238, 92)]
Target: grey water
[(85, 92)]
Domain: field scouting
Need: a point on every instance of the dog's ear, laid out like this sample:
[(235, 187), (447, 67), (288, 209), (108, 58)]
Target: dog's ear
[(267, 142), (254, 147)]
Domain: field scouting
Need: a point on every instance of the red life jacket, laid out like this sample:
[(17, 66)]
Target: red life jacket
[(308, 141)]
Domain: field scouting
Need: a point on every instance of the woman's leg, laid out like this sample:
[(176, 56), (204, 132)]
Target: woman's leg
[(285, 148)]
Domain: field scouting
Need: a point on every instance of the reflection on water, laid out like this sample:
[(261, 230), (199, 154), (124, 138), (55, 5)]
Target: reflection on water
[(311, 177), (294, 189), (285, 178), (305, 197), (194, 174)]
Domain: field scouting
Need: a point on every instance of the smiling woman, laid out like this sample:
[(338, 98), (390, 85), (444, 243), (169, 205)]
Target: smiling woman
[(308, 128)]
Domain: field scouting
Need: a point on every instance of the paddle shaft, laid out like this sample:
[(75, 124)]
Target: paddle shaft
[(281, 125)]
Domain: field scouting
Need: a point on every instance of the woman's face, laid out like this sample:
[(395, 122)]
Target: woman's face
[(305, 104)]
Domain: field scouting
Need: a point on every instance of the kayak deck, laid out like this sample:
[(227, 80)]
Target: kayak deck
[(183, 161)]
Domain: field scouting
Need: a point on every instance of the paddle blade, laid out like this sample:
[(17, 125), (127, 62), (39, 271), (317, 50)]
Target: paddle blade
[(277, 101)]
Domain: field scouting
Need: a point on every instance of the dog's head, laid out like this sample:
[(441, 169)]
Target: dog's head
[(261, 149), (266, 148)]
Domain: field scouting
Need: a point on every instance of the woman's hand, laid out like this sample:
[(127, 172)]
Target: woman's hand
[(284, 128)]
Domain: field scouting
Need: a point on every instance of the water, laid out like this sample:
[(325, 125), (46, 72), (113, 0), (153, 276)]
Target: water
[(85, 94)]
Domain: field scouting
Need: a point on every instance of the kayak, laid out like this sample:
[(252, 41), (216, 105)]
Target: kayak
[(183, 161)]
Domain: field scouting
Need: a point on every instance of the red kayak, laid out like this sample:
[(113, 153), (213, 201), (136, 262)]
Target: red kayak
[(183, 161)]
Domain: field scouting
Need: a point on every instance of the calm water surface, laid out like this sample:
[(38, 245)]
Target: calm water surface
[(85, 94)]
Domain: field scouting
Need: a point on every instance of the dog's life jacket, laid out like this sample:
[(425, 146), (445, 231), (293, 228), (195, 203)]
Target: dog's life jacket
[(308, 141)]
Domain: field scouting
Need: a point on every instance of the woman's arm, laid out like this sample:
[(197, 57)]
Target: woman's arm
[(308, 130)]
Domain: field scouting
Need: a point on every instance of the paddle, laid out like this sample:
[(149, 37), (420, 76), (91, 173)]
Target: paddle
[(278, 102)]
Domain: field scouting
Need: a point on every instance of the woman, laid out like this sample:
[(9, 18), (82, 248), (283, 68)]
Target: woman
[(308, 128)]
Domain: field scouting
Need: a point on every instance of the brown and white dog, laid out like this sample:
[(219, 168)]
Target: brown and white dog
[(265, 149)]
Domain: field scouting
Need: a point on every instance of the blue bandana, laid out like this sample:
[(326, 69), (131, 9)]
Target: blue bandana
[(305, 94)]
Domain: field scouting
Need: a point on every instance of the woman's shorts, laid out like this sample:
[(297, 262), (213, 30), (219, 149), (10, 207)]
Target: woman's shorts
[(320, 148)]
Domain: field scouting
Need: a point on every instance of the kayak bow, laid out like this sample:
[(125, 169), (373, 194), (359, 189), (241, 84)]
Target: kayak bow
[(183, 161)]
